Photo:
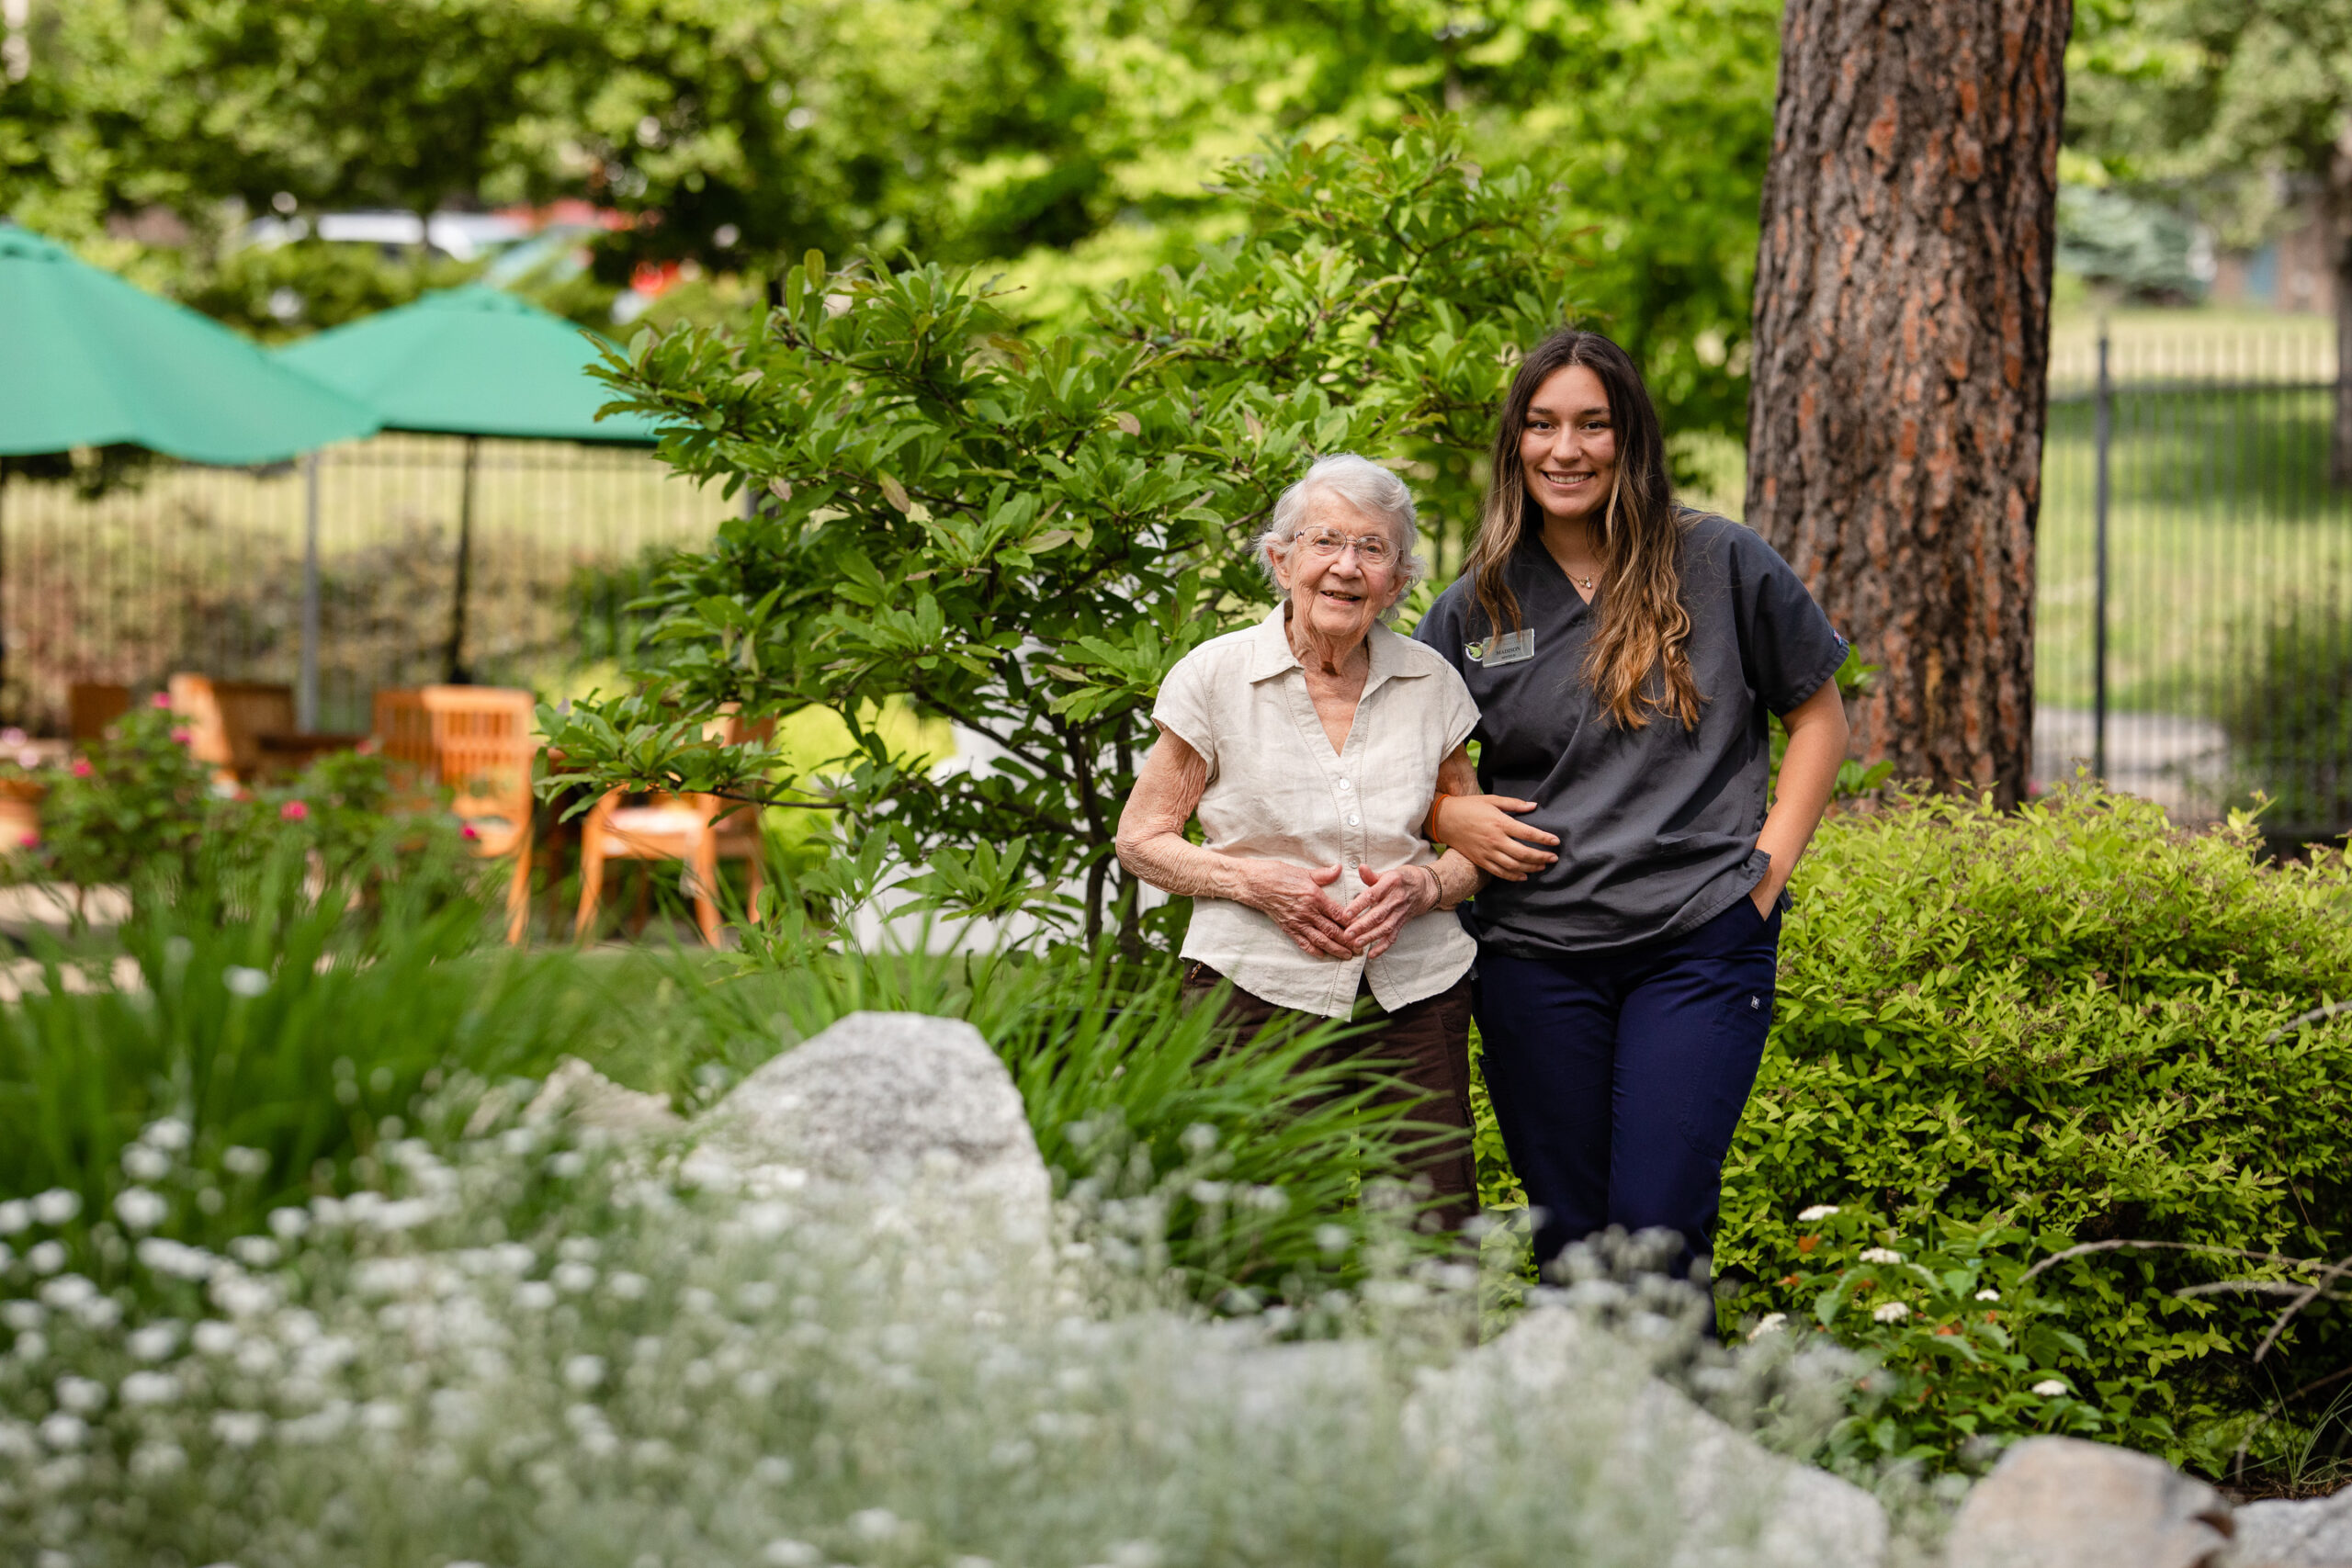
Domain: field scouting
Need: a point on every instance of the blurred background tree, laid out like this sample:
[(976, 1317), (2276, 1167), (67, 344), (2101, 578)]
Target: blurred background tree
[(1069, 140)]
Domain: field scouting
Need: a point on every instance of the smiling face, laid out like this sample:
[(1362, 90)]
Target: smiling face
[(1567, 449), (1337, 598)]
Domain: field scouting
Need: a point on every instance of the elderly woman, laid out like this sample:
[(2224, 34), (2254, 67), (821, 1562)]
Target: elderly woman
[(1310, 745)]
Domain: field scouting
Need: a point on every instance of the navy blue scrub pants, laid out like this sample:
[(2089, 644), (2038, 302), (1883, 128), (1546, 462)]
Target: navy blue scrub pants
[(1618, 1076)]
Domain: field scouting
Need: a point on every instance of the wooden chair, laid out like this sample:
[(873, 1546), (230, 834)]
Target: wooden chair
[(91, 706), (700, 829), (477, 743), (226, 720)]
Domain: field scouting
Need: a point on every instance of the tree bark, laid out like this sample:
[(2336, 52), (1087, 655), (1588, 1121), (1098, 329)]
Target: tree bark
[(1901, 354), (2338, 217)]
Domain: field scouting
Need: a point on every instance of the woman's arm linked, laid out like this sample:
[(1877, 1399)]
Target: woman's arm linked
[(1152, 845), (1484, 827), (1817, 737)]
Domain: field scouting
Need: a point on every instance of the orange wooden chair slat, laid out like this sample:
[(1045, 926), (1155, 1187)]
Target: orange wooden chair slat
[(700, 829), (477, 743)]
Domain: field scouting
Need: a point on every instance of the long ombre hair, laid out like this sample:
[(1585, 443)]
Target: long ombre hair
[(1644, 629)]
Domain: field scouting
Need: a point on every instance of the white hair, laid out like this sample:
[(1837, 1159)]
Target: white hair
[(1370, 488)]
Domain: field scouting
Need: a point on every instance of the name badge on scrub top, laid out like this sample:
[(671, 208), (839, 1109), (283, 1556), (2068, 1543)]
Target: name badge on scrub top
[(1508, 648)]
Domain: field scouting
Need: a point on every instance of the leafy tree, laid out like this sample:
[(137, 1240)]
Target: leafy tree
[(1023, 534), (2231, 104)]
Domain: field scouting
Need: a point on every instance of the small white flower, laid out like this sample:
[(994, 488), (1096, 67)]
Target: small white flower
[(383, 1416), (143, 1164), (30, 1347), (154, 1342), (1989, 1295), (572, 1278), (239, 1160), (62, 1431), (628, 1287), (214, 1338), (1890, 1312), (1880, 1255), (169, 1134), (584, 1373), (772, 1470), (535, 1296), (1770, 1322), (253, 1251), (289, 1224), (24, 1316), (240, 1428), (46, 1258), (874, 1524), (56, 1206), (84, 1396), (1819, 1211), (244, 982), (149, 1388), (157, 1461), (139, 1209), (15, 1215), (68, 1291), (2051, 1388), (790, 1554)]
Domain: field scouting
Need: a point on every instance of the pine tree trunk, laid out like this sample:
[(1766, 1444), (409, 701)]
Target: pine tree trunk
[(2338, 217), (1901, 350)]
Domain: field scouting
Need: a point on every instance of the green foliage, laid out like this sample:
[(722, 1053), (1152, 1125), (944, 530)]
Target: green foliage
[(1252, 1159), (133, 801), (278, 1040), (1966, 1350), (1022, 536), (2140, 248), (2075, 1021), (2288, 714), (281, 291), (136, 809)]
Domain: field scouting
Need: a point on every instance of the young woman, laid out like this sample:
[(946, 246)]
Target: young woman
[(1624, 653)]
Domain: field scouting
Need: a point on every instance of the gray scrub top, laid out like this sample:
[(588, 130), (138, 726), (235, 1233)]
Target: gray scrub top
[(1657, 826)]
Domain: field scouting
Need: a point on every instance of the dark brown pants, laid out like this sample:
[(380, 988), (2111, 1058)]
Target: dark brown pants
[(1424, 1045)]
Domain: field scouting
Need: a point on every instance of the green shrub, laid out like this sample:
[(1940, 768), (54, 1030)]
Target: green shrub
[(133, 800), (2075, 1021)]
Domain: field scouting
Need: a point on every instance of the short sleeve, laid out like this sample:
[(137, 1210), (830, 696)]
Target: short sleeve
[(1183, 708), (1785, 640), (1458, 713), (1441, 631)]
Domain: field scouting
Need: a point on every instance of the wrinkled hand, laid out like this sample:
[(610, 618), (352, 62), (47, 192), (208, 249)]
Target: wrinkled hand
[(1294, 898), (1484, 828), (1389, 898)]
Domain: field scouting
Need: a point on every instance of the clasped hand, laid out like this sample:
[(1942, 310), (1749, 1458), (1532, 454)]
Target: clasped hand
[(1294, 898)]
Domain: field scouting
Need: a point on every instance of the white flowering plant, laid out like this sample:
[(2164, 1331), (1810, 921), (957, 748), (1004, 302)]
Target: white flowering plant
[(531, 1350), (1966, 1352)]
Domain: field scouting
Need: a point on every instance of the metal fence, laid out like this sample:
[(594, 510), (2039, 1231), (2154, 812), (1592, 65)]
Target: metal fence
[(2190, 641), (202, 569)]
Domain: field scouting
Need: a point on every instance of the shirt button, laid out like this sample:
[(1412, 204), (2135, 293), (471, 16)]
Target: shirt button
[(1343, 783), (1351, 820)]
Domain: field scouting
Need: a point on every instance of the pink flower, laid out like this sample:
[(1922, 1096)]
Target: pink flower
[(179, 737), (82, 769), (29, 841), (161, 700), (469, 831), (293, 811)]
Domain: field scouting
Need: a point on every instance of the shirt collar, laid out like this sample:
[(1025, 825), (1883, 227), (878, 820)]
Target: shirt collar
[(1271, 653)]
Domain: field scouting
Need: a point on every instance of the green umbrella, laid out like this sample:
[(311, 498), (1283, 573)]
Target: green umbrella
[(92, 361), (469, 362)]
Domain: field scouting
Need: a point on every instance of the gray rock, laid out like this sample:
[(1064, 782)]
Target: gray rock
[(1554, 1381), (2313, 1534), (2064, 1503), (912, 1117), (579, 1092)]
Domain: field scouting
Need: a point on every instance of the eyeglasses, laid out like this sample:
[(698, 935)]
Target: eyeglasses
[(1371, 550)]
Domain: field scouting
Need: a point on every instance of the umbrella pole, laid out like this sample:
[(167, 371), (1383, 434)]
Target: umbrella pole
[(454, 665), (306, 694), (3, 586)]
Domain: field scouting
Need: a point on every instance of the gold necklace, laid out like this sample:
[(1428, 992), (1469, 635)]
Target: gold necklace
[(1583, 584)]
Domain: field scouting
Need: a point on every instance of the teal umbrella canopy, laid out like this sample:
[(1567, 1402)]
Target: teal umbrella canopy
[(469, 362), (88, 360)]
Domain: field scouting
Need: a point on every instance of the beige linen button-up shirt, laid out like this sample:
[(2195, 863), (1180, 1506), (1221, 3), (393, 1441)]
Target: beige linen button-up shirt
[(1276, 791)]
